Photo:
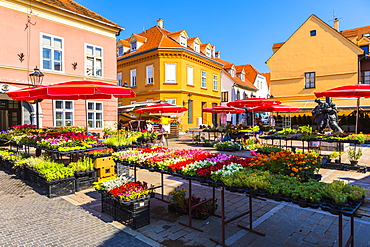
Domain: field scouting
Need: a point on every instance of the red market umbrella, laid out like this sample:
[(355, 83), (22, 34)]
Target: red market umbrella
[(73, 90), (273, 108), (352, 91), (348, 91), (252, 102), (162, 108), (224, 109)]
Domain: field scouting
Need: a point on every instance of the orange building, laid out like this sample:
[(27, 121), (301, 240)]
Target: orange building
[(170, 66)]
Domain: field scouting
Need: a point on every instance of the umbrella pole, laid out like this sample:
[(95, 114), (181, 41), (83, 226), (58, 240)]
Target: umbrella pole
[(87, 125), (357, 113)]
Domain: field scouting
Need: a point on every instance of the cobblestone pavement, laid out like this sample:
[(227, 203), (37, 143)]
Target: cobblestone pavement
[(30, 219)]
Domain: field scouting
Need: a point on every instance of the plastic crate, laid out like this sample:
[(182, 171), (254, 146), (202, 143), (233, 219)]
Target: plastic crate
[(122, 168), (60, 187), (84, 183), (139, 205), (134, 220)]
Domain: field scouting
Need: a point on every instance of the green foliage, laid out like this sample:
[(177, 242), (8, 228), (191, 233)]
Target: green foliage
[(354, 154), (335, 154), (83, 164), (269, 149), (305, 129)]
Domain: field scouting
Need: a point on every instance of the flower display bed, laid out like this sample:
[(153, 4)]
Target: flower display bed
[(53, 188)]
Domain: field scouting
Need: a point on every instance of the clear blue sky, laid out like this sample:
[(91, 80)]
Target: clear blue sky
[(243, 30)]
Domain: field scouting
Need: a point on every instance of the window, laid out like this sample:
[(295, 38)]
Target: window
[(208, 52), (238, 95), (224, 96), (52, 53), (149, 74), (313, 33), (196, 46), (133, 78), (215, 82), (170, 70), (204, 79), (94, 60), (365, 48), (120, 50), (242, 77), (95, 115), (133, 46), (309, 80), (119, 79), (232, 72), (366, 79), (190, 75), (183, 40), (171, 101), (63, 113)]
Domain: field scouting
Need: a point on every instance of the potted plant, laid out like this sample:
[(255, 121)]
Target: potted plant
[(180, 203), (335, 155), (354, 154)]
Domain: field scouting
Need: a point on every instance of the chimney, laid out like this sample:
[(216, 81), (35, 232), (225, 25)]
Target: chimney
[(160, 23), (336, 24)]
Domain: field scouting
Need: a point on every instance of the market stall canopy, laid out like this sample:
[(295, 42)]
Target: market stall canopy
[(352, 91), (273, 108), (253, 102), (162, 108), (73, 90), (224, 109)]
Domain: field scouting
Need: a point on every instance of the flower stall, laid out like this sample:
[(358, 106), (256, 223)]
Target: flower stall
[(126, 200)]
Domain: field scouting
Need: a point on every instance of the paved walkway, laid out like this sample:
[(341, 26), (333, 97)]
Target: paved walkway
[(31, 219)]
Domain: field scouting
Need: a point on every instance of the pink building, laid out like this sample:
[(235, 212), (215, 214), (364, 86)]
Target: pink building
[(67, 42)]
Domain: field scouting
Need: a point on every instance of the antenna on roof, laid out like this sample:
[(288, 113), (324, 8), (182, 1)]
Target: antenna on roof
[(335, 20)]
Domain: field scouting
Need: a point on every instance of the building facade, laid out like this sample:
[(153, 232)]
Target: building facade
[(317, 57), (67, 42), (169, 66)]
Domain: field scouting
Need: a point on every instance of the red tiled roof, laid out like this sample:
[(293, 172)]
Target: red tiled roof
[(228, 65), (356, 32), (155, 37), (125, 42), (246, 83), (74, 7), (268, 77), (174, 33), (278, 45), (139, 38), (250, 72)]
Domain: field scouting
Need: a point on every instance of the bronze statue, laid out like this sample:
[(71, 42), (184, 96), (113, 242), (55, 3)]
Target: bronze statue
[(326, 115)]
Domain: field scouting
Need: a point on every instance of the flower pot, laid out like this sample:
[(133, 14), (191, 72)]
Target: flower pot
[(354, 162)]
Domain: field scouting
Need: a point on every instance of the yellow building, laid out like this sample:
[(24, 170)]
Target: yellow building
[(317, 57), (169, 66)]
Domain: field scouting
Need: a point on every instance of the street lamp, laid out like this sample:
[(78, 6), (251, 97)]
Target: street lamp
[(36, 78)]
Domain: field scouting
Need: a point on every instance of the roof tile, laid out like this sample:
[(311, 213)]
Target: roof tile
[(77, 8)]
